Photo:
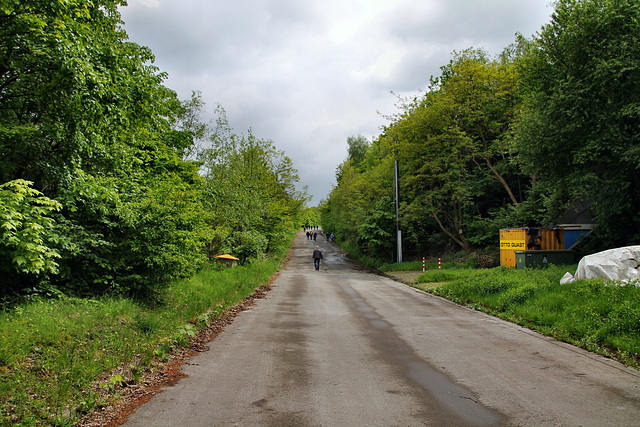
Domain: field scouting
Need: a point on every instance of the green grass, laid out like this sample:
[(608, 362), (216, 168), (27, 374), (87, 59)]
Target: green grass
[(54, 352), (453, 262), (445, 275), (436, 273), (598, 316)]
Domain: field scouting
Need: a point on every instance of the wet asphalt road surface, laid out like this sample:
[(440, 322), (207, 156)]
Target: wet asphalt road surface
[(344, 347)]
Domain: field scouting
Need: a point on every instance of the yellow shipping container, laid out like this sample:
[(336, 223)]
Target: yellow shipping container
[(528, 239)]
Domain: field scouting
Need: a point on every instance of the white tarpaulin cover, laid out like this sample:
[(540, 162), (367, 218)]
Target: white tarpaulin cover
[(619, 264)]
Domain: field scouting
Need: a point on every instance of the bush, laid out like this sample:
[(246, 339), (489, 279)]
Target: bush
[(247, 245), (486, 259), (26, 230)]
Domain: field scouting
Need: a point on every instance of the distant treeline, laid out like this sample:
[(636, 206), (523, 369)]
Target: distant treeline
[(551, 126)]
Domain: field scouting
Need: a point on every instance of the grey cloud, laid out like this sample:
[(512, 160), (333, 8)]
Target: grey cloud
[(308, 74)]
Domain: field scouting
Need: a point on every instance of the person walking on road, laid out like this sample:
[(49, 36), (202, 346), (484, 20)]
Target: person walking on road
[(317, 256)]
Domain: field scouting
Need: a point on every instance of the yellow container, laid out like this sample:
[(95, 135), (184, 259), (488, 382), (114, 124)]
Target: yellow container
[(526, 239)]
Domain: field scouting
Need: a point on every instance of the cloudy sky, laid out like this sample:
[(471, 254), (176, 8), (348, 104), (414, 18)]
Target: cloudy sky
[(307, 74)]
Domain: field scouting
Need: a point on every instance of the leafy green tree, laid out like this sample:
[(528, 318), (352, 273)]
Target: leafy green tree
[(435, 181), (376, 235), (247, 244), (363, 178), (71, 84), (26, 225), (250, 190), (579, 131), (85, 117), (457, 148), (357, 148), (344, 210), (483, 100), (458, 175)]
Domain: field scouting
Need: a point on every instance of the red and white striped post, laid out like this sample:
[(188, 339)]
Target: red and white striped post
[(439, 263), (423, 269)]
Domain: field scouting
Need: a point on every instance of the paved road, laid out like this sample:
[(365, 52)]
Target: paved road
[(343, 347)]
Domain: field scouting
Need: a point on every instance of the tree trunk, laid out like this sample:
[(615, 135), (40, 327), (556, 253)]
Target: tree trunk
[(461, 241), (503, 182)]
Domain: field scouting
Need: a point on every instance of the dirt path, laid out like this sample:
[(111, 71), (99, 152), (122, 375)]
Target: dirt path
[(342, 347)]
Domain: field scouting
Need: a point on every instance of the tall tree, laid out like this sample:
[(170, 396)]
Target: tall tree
[(85, 117), (580, 129), (357, 148), (376, 233), (436, 154), (483, 96), (455, 154), (251, 190)]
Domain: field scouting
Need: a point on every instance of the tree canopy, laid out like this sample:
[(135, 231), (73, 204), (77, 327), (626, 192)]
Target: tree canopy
[(517, 140), (580, 126), (102, 189)]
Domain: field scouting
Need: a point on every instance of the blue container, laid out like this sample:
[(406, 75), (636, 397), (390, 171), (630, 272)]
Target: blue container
[(571, 237)]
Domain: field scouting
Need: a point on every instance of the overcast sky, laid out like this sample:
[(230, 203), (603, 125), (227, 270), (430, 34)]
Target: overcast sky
[(307, 74)]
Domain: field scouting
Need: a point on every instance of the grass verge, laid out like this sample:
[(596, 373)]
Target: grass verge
[(54, 353), (454, 261), (598, 316), (445, 275)]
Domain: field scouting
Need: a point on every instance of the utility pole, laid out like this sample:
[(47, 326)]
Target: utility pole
[(397, 179)]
